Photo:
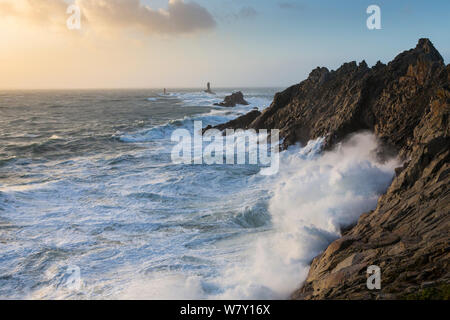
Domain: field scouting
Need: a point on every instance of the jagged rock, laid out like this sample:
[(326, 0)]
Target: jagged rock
[(356, 97), (406, 103), (241, 122), (232, 100)]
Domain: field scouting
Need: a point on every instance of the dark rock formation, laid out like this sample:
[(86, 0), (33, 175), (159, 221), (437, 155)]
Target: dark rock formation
[(241, 122), (388, 99), (406, 103), (232, 100)]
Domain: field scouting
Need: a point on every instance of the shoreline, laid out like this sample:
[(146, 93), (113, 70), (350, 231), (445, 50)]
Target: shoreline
[(405, 103)]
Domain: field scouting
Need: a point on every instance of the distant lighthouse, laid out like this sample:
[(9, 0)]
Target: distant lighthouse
[(208, 88)]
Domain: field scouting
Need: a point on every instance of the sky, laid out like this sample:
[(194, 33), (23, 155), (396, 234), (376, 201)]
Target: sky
[(184, 43)]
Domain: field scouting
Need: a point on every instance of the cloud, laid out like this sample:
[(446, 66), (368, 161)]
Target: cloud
[(49, 12), (179, 17)]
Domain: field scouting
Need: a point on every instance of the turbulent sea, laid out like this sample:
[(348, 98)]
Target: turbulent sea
[(87, 181)]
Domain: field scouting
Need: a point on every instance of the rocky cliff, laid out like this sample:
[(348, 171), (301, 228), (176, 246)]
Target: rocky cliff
[(406, 103)]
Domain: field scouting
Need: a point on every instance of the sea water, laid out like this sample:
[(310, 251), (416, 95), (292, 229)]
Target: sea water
[(87, 183)]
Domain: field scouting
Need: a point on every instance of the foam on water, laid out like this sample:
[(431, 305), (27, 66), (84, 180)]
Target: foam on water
[(203, 99), (139, 226), (211, 117), (311, 199)]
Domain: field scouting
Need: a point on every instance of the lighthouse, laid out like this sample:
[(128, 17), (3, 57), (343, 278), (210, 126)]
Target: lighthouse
[(208, 88)]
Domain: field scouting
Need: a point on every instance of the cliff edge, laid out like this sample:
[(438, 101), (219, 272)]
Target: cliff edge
[(406, 103)]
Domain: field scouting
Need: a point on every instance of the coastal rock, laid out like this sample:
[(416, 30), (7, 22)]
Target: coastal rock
[(406, 103), (387, 99), (241, 122), (232, 100)]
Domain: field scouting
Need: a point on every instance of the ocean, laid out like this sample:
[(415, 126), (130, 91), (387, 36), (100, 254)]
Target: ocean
[(87, 183)]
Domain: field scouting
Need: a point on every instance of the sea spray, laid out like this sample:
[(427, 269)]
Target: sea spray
[(235, 146), (139, 226), (107, 198), (313, 196)]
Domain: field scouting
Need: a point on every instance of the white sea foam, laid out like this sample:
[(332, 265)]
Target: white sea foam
[(211, 117), (203, 99), (313, 196), (139, 226)]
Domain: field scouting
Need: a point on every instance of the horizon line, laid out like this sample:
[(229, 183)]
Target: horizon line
[(137, 88)]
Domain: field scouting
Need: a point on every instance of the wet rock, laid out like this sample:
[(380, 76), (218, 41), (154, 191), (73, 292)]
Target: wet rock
[(406, 103), (241, 122)]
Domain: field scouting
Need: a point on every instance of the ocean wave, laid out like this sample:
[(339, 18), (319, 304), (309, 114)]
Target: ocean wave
[(152, 197), (164, 131), (121, 159), (203, 99), (155, 133), (314, 196), (5, 161), (139, 225), (255, 216), (213, 116), (311, 198), (196, 99)]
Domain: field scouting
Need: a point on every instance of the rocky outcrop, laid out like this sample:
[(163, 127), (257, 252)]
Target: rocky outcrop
[(407, 235), (232, 100), (387, 99), (406, 103), (241, 122)]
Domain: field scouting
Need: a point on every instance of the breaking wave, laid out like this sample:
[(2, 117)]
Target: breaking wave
[(313, 196), (101, 193)]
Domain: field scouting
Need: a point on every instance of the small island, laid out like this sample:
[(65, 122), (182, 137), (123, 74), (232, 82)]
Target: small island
[(232, 100)]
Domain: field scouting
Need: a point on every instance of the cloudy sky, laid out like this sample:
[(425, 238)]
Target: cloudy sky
[(184, 43)]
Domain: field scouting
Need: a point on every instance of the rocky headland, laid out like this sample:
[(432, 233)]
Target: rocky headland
[(406, 104), (241, 122)]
